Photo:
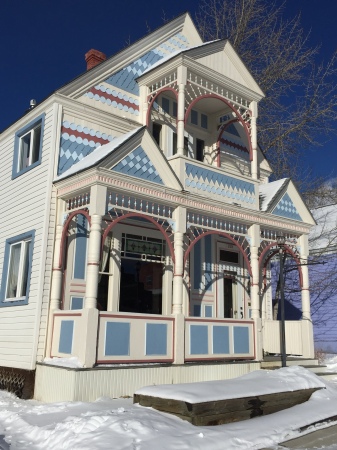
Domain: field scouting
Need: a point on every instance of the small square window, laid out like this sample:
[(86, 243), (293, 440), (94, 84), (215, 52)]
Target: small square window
[(204, 121), (27, 147), (175, 109), (16, 270), (194, 117), (165, 104)]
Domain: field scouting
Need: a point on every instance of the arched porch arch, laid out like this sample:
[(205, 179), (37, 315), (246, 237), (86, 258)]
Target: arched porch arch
[(239, 117), (79, 212), (165, 89), (287, 250), (227, 236), (143, 216)]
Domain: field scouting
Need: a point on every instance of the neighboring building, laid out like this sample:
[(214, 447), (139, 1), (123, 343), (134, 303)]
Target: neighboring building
[(138, 223)]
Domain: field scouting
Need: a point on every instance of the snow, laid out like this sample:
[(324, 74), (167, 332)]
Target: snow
[(268, 191), (72, 362), (260, 382), (118, 424), (98, 154), (173, 54)]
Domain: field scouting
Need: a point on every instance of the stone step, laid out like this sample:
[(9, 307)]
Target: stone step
[(328, 375)]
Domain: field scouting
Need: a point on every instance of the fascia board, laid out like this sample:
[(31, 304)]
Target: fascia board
[(124, 57)]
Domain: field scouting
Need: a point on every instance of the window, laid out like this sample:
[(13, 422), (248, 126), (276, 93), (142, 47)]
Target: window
[(200, 150), (165, 104), (231, 257), (156, 132), (16, 269), (204, 121), (175, 109), (194, 117), (27, 147)]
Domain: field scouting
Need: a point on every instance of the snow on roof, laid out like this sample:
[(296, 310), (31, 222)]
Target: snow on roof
[(268, 192), (256, 383), (98, 154), (172, 55)]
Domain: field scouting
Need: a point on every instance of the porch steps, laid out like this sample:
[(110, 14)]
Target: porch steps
[(274, 362)]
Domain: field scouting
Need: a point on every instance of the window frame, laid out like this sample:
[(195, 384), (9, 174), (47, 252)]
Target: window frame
[(10, 242), (19, 135)]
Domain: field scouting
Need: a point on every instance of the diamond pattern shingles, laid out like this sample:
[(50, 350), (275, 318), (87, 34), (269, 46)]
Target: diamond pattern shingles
[(286, 208), (210, 181), (138, 164), (126, 78)]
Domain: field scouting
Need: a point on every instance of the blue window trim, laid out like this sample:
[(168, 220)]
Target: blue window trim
[(9, 242), (16, 173)]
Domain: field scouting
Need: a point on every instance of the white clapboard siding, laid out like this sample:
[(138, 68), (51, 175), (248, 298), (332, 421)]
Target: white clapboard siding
[(25, 207)]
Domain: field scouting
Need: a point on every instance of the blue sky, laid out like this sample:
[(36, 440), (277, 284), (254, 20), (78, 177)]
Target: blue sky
[(43, 42)]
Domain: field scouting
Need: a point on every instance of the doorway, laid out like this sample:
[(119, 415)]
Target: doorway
[(228, 297)]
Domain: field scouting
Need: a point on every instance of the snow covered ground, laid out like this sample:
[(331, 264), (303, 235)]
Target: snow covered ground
[(118, 424)]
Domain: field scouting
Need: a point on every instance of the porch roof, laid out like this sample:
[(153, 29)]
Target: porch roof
[(269, 191)]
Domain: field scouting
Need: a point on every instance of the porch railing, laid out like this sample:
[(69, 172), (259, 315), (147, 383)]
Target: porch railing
[(134, 338), (218, 339)]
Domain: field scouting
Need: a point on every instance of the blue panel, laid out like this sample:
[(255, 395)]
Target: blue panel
[(138, 164), (197, 310), (156, 339), (199, 339), (197, 266), (66, 336), (117, 339), (77, 302), (208, 262), (220, 339), (80, 257), (241, 339), (286, 208), (208, 311)]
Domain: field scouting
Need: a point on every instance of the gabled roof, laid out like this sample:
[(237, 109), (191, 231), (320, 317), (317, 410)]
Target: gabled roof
[(220, 56), (282, 199), (269, 191), (98, 154), (135, 155)]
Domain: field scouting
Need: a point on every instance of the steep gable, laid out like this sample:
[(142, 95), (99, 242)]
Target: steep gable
[(135, 155), (281, 198)]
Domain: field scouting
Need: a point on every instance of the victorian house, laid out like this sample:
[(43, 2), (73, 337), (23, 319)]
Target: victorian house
[(138, 224)]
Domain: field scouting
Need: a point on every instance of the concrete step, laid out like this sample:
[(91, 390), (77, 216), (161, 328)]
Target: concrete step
[(328, 375), (271, 362)]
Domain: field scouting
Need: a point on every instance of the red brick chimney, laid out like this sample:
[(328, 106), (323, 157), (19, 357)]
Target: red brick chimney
[(93, 58)]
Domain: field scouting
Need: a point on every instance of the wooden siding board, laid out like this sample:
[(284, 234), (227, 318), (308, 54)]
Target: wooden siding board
[(23, 203)]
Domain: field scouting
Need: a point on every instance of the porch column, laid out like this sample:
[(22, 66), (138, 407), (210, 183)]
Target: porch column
[(305, 292), (181, 75), (94, 249), (57, 275), (254, 233), (179, 216), (307, 328), (253, 108)]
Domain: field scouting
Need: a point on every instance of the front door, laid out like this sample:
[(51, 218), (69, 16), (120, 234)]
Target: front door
[(228, 297)]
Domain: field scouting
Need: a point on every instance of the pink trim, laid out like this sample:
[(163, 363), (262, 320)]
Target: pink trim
[(240, 119), (237, 321), (150, 219), (221, 358), (221, 233), (148, 114), (131, 361)]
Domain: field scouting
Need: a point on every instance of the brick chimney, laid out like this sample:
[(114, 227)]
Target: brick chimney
[(93, 58)]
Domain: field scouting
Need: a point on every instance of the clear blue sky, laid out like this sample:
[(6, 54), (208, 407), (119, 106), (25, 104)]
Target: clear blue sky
[(43, 42)]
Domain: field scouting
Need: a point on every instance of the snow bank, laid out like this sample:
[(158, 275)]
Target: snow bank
[(259, 382)]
